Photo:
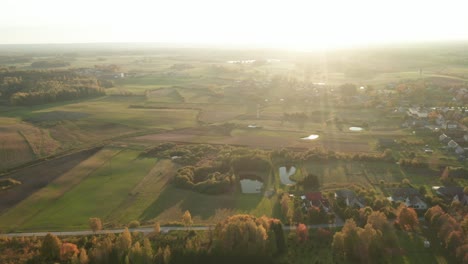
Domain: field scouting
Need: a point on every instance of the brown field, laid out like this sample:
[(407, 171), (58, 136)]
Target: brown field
[(14, 149), (213, 116), (35, 177), (268, 141)]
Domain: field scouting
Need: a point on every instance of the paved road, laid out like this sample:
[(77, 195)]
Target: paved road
[(145, 230)]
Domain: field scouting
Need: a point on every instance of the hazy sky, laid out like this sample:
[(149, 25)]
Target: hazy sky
[(270, 23)]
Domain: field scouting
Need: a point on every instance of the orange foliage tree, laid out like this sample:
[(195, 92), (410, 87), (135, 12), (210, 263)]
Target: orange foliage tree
[(67, 251)]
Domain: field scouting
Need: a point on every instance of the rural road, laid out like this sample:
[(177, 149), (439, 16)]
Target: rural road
[(145, 230)]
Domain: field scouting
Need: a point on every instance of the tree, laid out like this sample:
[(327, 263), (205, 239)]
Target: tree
[(50, 249), (311, 181), (167, 255), (378, 220), (95, 224), (405, 181), (433, 213), (407, 218), (157, 228), (187, 219), (83, 258), (285, 206), (445, 174), (422, 190), (147, 252), (302, 233), (68, 251), (124, 242), (243, 235), (136, 253)]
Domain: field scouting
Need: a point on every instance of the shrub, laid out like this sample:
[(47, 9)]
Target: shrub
[(134, 224)]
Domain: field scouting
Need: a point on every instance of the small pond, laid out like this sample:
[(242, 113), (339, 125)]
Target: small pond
[(285, 173), (311, 137), (356, 129), (250, 184)]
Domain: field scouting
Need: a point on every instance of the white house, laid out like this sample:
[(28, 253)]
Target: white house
[(443, 137), (415, 202), (451, 125), (452, 144)]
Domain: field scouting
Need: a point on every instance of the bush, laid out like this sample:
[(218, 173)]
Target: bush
[(134, 224)]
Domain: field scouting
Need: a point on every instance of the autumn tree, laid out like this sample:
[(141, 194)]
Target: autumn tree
[(433, 213), (285, 207), (124, 242), (445, 175), (83, 258), (67, 251), (147, 252), (360, 245), (95, 224), (50, 249), (407, 218), (302, 233), (157, 228), (167, 255), (243, 235), (187, 219), (136, 253)]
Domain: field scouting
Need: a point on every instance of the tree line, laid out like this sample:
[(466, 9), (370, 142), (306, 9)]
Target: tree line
[(40, 87)]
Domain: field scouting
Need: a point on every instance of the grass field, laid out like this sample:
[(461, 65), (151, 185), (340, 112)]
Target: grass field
[(98, 194), (41, 199)]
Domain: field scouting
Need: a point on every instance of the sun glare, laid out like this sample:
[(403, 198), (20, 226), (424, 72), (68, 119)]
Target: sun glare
[(285, 24)]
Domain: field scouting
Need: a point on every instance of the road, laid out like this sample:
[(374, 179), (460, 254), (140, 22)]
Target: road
[(144, 230)]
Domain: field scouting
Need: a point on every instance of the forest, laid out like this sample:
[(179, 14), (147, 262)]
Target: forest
[(48, 86)]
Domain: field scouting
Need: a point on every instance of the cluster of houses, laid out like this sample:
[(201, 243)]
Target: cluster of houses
[(458, 144), (108, 72), (454, 135), (315, 199), (411, 197)]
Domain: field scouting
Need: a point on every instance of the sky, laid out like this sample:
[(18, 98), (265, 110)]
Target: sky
[(295, 24)]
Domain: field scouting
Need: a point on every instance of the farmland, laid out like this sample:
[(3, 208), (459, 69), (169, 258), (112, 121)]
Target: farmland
[(170, 131)]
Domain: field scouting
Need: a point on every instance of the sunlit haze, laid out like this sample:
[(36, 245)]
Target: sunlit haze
[(285, 24)]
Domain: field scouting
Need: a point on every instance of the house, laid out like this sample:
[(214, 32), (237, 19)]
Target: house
[(443, 138), (452, 144), (450, 125), (417, 112), (409, 196), (316, 199), (349, 198), (440, 120), (453, 193), (459, 150)]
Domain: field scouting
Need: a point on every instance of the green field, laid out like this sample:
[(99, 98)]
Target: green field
[(106, 180)]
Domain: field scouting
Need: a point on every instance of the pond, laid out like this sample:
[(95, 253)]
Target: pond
[(311, 137), (285, 173), (356, 129), (250, 184)]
